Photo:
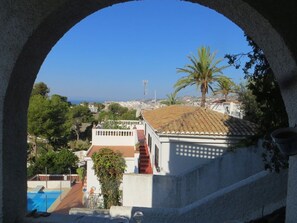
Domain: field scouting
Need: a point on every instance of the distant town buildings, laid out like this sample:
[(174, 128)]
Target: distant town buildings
[(231, 107)]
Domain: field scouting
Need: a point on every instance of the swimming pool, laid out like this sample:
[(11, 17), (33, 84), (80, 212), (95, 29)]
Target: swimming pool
[(42, 200)]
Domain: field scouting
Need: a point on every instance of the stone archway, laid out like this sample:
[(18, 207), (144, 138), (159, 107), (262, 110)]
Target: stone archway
[(30, 28)]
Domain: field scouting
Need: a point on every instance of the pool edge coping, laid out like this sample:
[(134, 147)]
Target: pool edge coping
[(59, 200)]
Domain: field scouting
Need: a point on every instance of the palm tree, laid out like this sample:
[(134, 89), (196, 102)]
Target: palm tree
[(225, 87), (171, 99), (202, 72)]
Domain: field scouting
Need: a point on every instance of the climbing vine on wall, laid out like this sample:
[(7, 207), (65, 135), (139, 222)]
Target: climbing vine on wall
[(109, 167)]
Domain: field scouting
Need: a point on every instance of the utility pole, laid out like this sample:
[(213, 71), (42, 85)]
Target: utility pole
[(145, 83)]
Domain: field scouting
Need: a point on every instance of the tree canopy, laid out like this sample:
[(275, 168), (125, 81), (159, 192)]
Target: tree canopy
[(203, 71), (116, 109), (40, 89), (47, 118), (117, 112), (226, 87), (262, 101), (55, 163), (171, 99), (77, 115), (261, 83)]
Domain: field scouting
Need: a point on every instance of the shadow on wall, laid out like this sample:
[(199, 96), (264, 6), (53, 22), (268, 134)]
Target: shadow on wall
[(197, 151), (183, 159), (186, 156)]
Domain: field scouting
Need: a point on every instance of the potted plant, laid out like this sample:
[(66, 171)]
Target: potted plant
[(286, 140)]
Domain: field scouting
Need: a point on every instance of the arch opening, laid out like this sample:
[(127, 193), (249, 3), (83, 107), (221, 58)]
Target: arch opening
[(36, 41)]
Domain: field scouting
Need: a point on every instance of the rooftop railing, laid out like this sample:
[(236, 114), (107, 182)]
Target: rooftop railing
[(113, 137)]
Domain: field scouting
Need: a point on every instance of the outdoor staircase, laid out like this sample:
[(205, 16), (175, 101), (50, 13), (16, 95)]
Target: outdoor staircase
[(145, 166), (144, 161)]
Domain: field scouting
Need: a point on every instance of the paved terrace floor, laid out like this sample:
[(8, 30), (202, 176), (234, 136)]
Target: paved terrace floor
[(72, 200)]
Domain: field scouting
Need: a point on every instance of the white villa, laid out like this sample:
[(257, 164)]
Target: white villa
[(183, 137), (93, 108), (120, 140), (231, 108), (177, 139)]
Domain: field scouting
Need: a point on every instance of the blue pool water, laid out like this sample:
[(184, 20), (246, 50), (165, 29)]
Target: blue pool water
[(41, 201)]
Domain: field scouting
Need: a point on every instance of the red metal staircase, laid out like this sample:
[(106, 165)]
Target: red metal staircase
[(145, 166)]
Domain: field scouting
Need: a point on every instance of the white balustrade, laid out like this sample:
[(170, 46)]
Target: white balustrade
[(114, 137)]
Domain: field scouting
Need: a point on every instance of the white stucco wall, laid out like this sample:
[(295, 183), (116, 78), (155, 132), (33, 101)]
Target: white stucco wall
[(221, 172), (249, 199), (92, 180), (131, 165), (243, 201), (137, 190), (177, 191)]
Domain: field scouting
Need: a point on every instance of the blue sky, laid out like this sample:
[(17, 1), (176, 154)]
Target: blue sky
[(108, 54)]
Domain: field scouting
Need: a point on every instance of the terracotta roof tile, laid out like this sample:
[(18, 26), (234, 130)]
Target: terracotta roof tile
[(177, 119), (127, 151)]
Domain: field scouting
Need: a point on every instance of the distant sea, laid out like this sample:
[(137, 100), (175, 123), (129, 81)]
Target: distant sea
[(77, 101)]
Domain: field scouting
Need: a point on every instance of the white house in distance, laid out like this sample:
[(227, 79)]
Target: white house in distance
[(93, 108), (180, 138), (231, 108)]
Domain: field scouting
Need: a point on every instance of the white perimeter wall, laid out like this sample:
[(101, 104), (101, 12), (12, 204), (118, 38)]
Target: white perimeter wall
[(252, 198), (178, 191), (243, 201), (53, 184), (131, 165), (137, 190)]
